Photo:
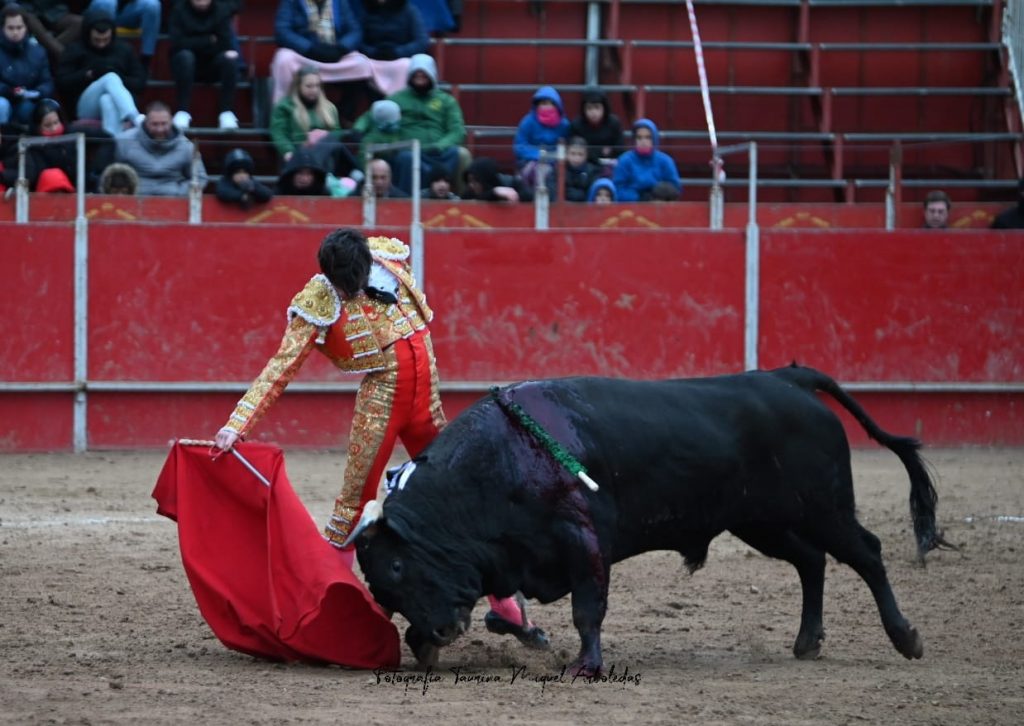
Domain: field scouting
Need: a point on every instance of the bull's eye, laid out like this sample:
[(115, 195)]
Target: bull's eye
[(396, 569)]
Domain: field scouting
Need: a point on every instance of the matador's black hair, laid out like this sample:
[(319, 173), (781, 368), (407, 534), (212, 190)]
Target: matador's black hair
[(345, 260)]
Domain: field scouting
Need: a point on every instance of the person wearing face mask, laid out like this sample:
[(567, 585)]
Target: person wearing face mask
[(305, 118), (53, 167), (639, 170), (540, 130)]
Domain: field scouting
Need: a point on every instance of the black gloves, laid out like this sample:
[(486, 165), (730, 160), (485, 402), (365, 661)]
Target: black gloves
[(326, 53)]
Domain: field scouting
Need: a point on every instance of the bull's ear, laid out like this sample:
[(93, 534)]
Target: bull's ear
[(372, 513)]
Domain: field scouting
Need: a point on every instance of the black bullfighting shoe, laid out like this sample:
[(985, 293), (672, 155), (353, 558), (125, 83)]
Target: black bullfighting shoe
[(529, 635)]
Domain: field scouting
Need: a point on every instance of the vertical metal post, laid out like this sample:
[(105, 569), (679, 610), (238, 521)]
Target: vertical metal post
[(79, 418), (416, 227), (716, 200), (369, 199), (21, 186), (590, 65), (892, 192), (541, 198), (195, 193), (752, 292)]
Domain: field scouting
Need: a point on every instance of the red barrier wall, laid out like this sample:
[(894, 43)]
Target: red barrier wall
[(175, 302)]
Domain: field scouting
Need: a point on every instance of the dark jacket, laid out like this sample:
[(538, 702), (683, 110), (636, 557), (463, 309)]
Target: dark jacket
[(99, 153), (485, 170), (291, 26), (603, 140), (24, 65), (9, 134), (392, 30), (1012, 218), (205, 34), (255, 192), (578, 181), (303, 158), (81, 63)]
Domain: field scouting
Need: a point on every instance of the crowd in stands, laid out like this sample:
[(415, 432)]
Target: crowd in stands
[(64, 72)]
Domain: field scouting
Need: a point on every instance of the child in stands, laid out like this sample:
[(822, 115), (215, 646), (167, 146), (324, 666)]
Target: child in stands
[(237, 184)]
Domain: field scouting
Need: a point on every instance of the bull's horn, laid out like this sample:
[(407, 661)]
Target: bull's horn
[(372, 512)]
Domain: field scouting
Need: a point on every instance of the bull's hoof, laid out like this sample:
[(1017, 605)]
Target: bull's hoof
[(582, 669), (808, 648), (426, 653), (531, 636), (909, 644)]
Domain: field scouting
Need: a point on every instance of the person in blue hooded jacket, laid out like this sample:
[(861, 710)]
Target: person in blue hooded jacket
[(641, 168), (539, 130)]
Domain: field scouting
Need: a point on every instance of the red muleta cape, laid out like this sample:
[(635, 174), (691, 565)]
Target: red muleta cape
[(264, 577)]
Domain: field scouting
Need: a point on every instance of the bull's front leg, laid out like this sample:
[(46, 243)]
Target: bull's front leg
[(589, 604)]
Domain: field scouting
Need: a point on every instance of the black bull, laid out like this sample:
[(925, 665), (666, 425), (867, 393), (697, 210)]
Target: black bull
[(488, 509)]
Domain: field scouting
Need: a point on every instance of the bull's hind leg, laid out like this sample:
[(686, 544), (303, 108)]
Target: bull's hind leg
[(809, 562), (852, 544)]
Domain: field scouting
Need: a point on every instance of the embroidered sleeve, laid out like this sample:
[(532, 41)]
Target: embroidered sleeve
[(296, 345)]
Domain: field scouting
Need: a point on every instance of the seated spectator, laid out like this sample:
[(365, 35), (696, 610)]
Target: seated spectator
[(580, 173), (202, 49), (379, 174), (1012, 218), (237, 185), (303, 175), (99, 75), (24, 69), (54, 167), (119, 179), (9, 134), (602, 191), (326, 34), (540, 130), (384, 126), (141, 14), (51, 23), (305, 118), (486, 184), (639, 169), (936, 210), (599, 126), (160, 155), (434, 118), (664, 191), (391, 29), (439, 185)]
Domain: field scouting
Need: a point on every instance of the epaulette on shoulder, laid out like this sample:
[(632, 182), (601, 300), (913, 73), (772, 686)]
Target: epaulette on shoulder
[(317, 303), (389, 248)]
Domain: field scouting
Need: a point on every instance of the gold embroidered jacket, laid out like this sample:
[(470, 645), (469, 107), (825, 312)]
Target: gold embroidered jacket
[(353, 334)]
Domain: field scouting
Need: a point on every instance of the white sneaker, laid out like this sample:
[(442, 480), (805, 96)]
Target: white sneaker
[(182, 120), (228, 120)]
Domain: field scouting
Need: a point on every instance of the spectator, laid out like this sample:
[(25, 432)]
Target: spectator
[(303, 175), (119, 179), (202, 49), (305, 118), (602, 191), (141, 14), (391, 29), (638, 170), (54, 167), (24, 69), (580, 173), (237, 185), (539, 130), (485, 183), (599, 126), (9, 134), (383, 124), (664, 191), (1012, 218), (160, 155), (439, 185), (98, 75), (936, 210), (434, 118), (326, 34), (379, 172), (51, 23)]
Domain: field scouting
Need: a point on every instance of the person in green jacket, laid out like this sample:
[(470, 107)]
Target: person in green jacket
[(306, 118), (434, 117)]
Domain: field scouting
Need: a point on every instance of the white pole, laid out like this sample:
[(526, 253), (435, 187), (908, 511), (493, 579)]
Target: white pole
[(81, 337), (416, 227), (753, 270)]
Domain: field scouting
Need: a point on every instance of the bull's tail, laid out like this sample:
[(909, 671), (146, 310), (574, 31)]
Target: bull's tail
[(923, 497)]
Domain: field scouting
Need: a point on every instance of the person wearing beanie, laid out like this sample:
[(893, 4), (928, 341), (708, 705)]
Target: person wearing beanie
[(99, 76), (385, 127), (141, 14), (539, 131), (237, 184), (24, 69), (434, 118), (599, 126), (1012, 218), (640, 169)]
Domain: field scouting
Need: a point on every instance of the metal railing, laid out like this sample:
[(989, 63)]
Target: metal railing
[(1013, 39)]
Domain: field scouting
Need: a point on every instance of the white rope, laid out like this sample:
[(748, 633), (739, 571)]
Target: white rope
[(705, 94)]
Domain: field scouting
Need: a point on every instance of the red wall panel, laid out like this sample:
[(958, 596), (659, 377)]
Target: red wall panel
[(35, 421)]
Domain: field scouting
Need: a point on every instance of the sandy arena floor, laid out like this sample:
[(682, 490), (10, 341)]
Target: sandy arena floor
[(99, 625)]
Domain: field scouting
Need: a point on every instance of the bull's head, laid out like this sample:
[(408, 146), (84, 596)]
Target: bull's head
[(412, 575)]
